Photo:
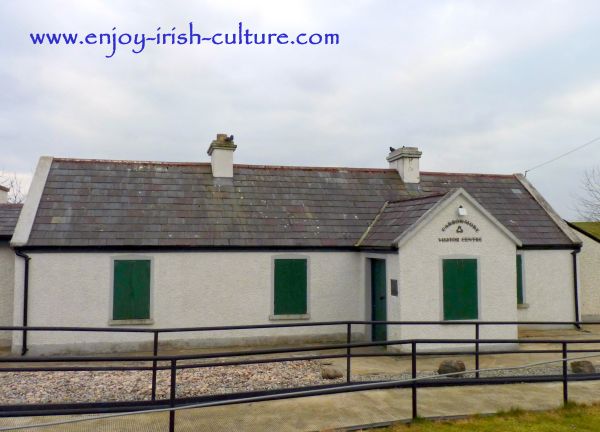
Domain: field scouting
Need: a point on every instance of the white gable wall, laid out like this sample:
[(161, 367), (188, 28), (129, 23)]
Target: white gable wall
[(421, 278), (7, 268), (589, 272), (548, 286), (187, 289)]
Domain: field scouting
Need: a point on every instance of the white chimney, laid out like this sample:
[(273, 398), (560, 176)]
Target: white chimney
[(405, 160), (3, 195), (221, 156)]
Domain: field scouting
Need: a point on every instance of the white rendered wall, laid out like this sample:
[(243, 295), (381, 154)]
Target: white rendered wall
[(187, 289), (589, 278), (7, 269), (421, 281), (548, 286)]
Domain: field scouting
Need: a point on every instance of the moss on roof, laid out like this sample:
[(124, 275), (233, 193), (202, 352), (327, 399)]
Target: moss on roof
[(590, 228)]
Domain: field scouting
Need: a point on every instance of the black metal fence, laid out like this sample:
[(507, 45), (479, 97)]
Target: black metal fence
[(348, 351)]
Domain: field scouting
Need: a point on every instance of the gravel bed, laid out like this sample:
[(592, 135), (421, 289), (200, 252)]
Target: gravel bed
[(534, 370), (65, 387), (58, 387)]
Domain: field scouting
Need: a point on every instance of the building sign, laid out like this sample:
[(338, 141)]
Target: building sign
[(460, 231)]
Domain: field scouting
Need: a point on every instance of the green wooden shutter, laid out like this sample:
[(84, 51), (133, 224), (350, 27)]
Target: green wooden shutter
[(460, 289), (520, 299), (131, 295), (290, 286)]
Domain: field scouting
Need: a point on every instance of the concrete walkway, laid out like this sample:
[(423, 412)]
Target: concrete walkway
[(338, 411), (362, 408)]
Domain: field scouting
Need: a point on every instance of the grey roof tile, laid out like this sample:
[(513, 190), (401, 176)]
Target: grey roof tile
[(9, 213), (123, 203), (395, 218)]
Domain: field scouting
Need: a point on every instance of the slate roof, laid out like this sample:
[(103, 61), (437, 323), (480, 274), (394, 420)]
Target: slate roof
[(591, 229), (9, 213), (396, 217), (505, 197), (128, 203)]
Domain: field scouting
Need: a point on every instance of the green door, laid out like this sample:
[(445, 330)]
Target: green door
[(378, 299), (460, 289)]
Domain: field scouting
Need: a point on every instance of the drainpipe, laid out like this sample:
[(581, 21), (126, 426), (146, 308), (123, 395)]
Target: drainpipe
[(576, 286), (27, 258)]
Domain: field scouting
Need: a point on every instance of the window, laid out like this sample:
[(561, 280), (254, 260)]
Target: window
[(131, 290), (290, 289), (520, 297), (460, 289)]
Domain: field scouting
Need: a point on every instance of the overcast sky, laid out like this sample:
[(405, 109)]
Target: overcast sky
[(478, 86)]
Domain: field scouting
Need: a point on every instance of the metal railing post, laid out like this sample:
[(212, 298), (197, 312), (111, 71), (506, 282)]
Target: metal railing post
[(173, 395), (565, 374), (348, 351), (477, 350), (413, 361), (154, 364)]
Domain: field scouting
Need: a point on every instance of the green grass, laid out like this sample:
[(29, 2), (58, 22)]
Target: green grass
[(592, 228), (577, 418)]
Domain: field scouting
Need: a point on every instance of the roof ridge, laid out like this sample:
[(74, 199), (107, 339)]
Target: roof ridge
[(466, 174), (126, 161), (313, 168), (275, 167)]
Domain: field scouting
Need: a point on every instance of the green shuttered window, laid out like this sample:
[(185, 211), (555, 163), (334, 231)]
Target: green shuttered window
[(290, 287), (520, 298), (460, 289), (131, 295)]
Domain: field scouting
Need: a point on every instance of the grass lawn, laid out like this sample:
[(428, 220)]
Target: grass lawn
[(571, 418)]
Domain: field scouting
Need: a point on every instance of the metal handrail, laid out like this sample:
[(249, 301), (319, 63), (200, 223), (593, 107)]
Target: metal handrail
[(173, 362)]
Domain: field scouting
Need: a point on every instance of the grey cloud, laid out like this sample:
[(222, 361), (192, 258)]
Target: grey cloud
[(479, 86)]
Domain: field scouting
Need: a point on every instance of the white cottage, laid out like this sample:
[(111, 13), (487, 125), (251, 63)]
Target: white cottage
[(589, 273), (8, 219), (156, 244)]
